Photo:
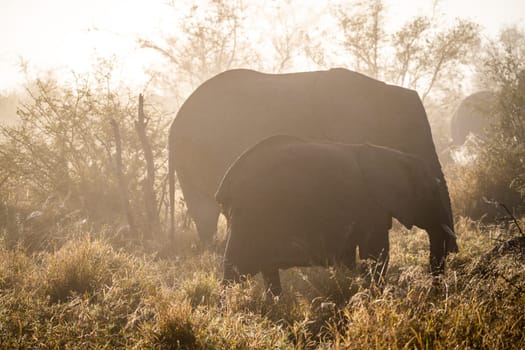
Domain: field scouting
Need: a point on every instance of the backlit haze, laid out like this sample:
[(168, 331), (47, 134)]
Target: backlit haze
[(66, 35)]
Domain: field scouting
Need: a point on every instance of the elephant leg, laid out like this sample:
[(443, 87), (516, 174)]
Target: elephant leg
[(346, 247), (272, 281), (348, 257), (437, 252), (376, 248), (231, 275)]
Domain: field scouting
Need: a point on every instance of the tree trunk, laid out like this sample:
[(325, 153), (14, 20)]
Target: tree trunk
[(150, 200), (122, 182)]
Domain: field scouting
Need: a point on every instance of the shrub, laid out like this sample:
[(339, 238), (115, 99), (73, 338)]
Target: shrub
[(174, 328), (16, 269), (81, 267), (202, 289), (479, 187), (496, 172), (60, 159)]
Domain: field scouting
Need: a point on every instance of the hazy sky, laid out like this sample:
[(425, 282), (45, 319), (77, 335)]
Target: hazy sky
[(67, 33), (63, 33)]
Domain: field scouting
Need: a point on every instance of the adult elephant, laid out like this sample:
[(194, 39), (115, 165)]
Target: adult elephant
[(292, 202), (473, 116), (238, 108)]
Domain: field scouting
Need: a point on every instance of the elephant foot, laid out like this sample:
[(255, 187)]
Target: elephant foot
[(437, 256), (272, 281)]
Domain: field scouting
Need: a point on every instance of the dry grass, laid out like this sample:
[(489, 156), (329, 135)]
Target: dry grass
[(89, 295)]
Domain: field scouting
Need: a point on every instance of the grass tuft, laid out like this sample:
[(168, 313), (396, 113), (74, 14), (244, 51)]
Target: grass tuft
[(80, 267), (174, 328), (202, 289)]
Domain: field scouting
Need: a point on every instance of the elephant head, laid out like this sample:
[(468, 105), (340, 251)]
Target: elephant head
[(403, 185)]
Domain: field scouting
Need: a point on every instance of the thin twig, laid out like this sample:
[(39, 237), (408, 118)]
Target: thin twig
[(4, 180), (512, 217), (495, 202)]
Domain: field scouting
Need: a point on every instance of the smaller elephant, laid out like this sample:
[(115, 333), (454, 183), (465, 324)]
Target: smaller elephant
[(295, 202)]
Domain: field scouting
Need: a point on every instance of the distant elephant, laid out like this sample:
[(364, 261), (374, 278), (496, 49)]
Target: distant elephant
[(236, 109), (292, 202), (473, 116)]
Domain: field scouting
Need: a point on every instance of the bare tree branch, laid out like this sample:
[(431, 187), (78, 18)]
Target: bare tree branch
[(150, 200), (122, 179)]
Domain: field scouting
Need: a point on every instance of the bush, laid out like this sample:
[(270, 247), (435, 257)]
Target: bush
[(202, 289), (60, 159), (174, 328), (16, 269), (479, 187), (496, 172)]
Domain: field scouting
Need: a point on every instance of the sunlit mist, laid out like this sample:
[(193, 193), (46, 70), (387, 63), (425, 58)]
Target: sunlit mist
[(246, 174)]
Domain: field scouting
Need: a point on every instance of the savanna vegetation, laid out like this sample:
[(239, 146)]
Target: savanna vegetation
[(85, 260)]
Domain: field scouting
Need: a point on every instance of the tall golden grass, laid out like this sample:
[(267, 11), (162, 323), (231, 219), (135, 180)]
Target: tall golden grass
[(89, 295)]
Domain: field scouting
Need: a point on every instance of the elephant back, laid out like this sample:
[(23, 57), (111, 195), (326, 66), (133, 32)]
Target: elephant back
[(247, 164)]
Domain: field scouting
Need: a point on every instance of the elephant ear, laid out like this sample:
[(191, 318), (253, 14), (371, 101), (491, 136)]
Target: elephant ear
[(390, 181)]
